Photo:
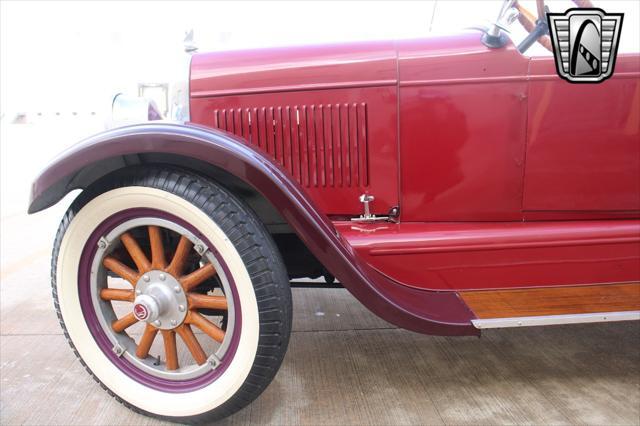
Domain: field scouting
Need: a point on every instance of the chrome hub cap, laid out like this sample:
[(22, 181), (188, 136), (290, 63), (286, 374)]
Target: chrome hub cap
[(160, 300)]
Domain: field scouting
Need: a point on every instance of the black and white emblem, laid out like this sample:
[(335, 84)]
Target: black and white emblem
[(585, 43)]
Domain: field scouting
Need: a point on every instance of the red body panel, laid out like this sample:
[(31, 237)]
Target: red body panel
[(466, 256), (462, 130), (336, 143), (328, 114), (583, 148), (293, 68), (468, 134)]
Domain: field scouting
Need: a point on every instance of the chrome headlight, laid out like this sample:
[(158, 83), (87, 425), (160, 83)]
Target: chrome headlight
[(155, 101), (127, 110), (179, 91), (179, 101)]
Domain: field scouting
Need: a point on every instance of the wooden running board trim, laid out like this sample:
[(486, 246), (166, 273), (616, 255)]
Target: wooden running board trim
[(553, 301)]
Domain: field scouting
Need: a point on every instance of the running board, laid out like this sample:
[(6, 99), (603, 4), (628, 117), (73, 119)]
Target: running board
[(556, 319), (554, 305)]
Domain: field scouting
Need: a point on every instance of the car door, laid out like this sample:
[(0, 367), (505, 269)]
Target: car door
[(463, 110), (583, 144)]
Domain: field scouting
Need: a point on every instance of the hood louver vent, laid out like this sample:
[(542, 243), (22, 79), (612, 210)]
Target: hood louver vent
[(320, 145)]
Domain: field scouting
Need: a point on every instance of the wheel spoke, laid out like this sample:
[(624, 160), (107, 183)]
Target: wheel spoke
[(180, 257), (158, 260), (202, 301), (170, 349), (197, 277), (122, 270), (135, 252), (109, 294), (123, 323), (212, 330), (146, 341), (192, 343)]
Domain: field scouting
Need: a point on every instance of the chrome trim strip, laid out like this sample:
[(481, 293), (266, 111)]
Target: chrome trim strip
[(556, 319)]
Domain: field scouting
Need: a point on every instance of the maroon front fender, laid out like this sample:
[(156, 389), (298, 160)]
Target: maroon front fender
[(430, 312)]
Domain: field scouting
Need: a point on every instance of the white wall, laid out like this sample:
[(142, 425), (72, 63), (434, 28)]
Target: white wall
[(73, 56)]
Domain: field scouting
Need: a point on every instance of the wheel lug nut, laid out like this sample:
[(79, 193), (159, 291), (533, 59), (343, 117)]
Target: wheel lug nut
[(162, 277), (177, 289), (157, 323), (181, 308), (146, 278), (102, 244), (174, 322)]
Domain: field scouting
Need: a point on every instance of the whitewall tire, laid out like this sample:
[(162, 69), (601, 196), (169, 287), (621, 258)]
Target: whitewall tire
[(159, 230)]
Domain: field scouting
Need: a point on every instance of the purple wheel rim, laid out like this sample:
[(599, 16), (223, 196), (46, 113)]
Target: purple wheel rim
[(101, 338)]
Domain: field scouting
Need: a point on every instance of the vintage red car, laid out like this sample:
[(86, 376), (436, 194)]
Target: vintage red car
[(451, 184)]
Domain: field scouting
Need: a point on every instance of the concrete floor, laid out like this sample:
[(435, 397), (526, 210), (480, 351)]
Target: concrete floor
[(344, 365)]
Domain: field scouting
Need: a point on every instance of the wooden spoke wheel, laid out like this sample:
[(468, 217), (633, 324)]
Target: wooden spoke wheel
[(163, 292), (172, 293)]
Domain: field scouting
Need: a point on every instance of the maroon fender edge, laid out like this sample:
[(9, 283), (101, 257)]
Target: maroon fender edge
[(430, 312)]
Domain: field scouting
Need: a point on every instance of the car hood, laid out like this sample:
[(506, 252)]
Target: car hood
[(293, 68)]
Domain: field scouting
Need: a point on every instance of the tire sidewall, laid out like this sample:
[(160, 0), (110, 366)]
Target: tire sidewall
[(78, 231)]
